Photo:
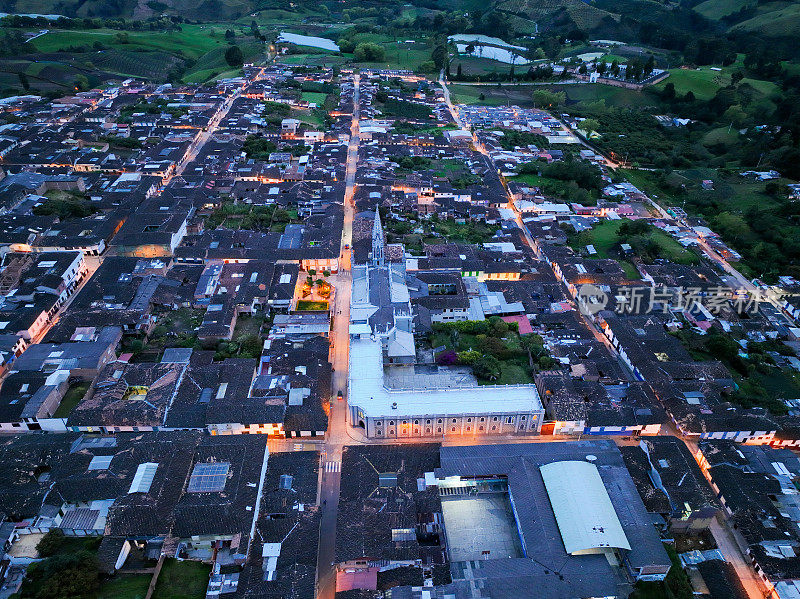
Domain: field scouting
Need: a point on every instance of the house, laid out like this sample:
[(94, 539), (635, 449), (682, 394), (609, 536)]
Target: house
[(674, 471)]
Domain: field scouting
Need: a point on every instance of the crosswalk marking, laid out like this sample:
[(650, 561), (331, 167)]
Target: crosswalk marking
[(333, 466)]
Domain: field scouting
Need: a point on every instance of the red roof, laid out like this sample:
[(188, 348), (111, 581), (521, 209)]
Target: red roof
[(523, 322), (348, 579)]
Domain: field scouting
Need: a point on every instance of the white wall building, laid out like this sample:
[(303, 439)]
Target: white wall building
[(469, 410)]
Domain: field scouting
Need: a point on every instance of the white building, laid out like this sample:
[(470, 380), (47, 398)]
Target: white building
[(420, 410)]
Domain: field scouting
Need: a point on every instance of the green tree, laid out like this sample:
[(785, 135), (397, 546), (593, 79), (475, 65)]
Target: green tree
[(369, 52), (51, 542), (499, 326), (534, 346), (234, 56), (487, 368), (346, 45), (468, 357), (547, 99), (251, 346), (73, 576), (439, 55), (589, 125), (81, 82), (731, 225), (649, 66)]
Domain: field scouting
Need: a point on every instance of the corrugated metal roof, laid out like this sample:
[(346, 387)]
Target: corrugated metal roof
[(584, 513)]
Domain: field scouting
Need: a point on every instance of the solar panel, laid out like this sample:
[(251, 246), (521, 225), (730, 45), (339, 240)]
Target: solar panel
[(100, 462), (286, 481), (209, 477)]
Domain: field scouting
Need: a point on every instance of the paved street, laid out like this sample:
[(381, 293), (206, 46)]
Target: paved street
[(331, 455), (733, 554)]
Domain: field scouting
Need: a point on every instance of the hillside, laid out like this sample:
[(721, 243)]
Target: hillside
[(61, 59), (205, 10), (776, 19), (769, 19), (552, 12)]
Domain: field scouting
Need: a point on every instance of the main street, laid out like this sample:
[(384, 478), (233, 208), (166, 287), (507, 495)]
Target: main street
[(336, 438)]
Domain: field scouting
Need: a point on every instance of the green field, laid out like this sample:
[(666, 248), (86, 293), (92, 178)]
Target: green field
[(716, 9), (606, 238), (71, 398), (612, 96), (153, 55), (522, 94), (312, 59), (473, 65), (705, 82), (314, 97), (125, 586), (182, 580), (149, 65), (189, 9), (494, 95), (400, 52), (274, 17), (311, 306), (584, 15), (192, 42), (726, 136), (471, 94), (775, 20)]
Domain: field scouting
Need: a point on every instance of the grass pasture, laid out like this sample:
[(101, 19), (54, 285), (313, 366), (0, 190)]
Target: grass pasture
[(472, 65), (311, 306), (716, 9), (704, 82), (522, 95), (192, 42), (99, 54), (317, 98), (125, 586), (182, 580), (398, 52), (71, 398), (149, 65), (774, 20), (606, 238)]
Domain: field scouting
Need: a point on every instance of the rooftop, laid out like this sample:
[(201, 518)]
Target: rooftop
[(369, 391), (587, 520)]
